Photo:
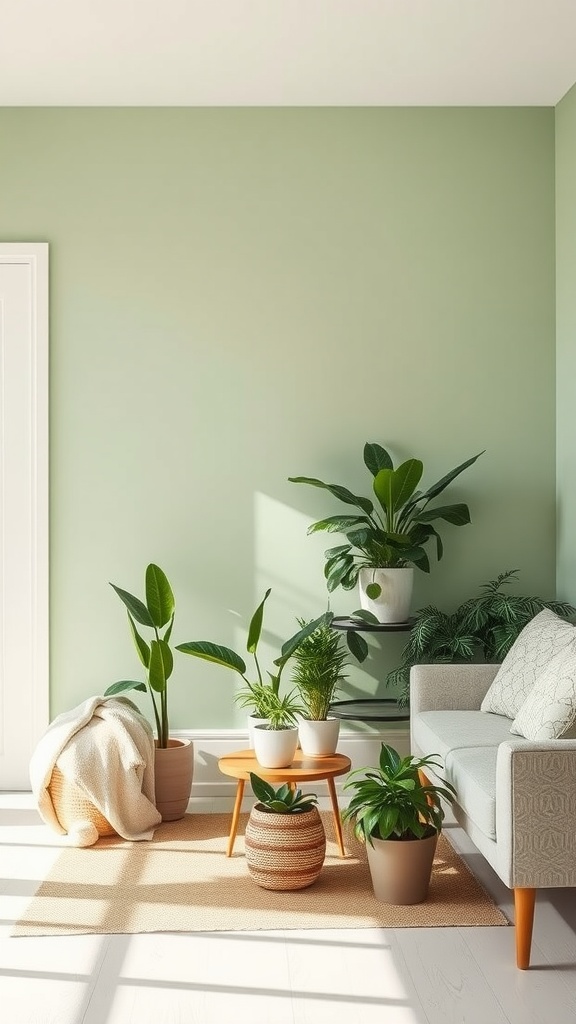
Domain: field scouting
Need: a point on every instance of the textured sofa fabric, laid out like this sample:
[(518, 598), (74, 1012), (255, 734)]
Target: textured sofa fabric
[(516, 798)]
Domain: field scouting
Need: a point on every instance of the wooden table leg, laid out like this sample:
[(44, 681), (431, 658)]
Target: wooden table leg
[(336, 813), (235, 816)]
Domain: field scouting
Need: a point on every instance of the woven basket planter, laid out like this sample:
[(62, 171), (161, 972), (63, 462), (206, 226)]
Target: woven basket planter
[(72, 806), (284, 851)]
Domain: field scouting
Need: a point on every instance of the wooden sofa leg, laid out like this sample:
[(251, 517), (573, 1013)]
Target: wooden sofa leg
[(524, 900)]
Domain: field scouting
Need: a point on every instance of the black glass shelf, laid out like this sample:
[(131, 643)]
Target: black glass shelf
[(371, 709), (344, 622)]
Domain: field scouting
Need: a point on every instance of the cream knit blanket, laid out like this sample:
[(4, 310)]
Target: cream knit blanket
[(106, 748)]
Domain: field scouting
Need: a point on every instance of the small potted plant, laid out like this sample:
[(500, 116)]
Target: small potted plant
[(483, 628), (317, 673), (384, 542), (174, 759), (276, 739), (285, 840), (398, 814), (257, 693)]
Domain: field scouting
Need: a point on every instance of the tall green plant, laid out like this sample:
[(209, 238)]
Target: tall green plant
[(155, 654), (317, 669), (394, 532), (258, 693), (483, 628)]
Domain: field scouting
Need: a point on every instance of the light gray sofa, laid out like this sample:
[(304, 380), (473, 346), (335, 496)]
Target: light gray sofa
[(516, 799)]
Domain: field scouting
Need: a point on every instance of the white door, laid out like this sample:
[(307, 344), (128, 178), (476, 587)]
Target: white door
[(23, 507)]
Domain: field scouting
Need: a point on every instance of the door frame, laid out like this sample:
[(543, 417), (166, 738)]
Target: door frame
[(35, 525)]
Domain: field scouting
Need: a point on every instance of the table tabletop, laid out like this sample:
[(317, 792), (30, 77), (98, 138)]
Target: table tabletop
[(240, 763)]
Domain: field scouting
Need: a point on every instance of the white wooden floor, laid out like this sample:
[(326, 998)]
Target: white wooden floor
[(403, 976)]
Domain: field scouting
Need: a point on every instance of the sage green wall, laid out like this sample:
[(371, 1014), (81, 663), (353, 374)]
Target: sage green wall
[(566, 341), (240, 295)]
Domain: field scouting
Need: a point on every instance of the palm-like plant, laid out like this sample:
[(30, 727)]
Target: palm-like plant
[(394, 532), (317, 669), (483, 628), (393, 801), (155, 654)]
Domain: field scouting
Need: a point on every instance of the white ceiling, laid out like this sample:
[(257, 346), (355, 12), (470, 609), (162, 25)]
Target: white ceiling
[(286, 52)]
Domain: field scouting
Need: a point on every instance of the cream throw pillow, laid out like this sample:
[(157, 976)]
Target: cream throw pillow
[(549, 710), (545, 636)]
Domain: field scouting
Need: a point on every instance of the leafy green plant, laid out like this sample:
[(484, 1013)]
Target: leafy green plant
[(394, 533), (155, 655), (317, 669), (393, 801), (483, 628), (259, 694), (282, 800), (282, 711)]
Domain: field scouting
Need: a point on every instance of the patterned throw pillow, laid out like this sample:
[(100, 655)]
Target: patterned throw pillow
[(549, 710), (545, 636)]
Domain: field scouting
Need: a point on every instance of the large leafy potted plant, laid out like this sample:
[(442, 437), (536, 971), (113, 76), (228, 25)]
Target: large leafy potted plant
[(259, 693), (285, 841), (398, 814), (482, 628), (317, 671), (390, 535), (174, 759)]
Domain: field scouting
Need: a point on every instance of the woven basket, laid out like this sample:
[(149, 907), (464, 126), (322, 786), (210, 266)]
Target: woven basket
[(72, 806), (284, 851)]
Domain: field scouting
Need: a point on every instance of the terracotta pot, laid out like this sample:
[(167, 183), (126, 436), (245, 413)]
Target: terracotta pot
[(173, 772), (318, 738), (401, 868), (284, 851), (275, 748), (393, 605)]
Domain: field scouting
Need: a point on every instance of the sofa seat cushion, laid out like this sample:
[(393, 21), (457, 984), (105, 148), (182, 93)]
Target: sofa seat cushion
[(439, 732), (472, 772)]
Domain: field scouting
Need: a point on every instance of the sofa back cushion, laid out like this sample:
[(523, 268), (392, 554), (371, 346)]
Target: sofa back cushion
[(541, 640), (549, 711)]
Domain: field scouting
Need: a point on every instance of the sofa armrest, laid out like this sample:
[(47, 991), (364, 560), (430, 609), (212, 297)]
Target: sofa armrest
[(449, 687), (536, 812)]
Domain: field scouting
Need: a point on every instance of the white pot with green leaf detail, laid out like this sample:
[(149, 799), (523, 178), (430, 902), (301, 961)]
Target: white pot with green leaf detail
[(386, 593)]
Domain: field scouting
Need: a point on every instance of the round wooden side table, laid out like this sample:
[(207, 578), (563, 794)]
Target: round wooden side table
[(303, 769)]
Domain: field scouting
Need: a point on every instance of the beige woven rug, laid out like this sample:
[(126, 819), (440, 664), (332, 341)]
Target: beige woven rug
[(183, 882)]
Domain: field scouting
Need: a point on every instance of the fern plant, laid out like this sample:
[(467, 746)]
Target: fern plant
[(483, 628), (317, 669)]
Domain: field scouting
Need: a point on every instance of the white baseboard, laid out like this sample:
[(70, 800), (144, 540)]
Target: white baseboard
[(210, 744)]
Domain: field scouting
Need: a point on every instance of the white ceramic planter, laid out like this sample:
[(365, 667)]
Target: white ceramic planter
[(253, 721), (275, 748), (318, 738), (393, 604)]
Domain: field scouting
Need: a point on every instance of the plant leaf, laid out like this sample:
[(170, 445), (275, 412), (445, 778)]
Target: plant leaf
[(159, 664), (139, 643), (376, 458), (440, 485), (123, 685), (255, 627), (215, 653), (136, 608), (342, 493), (159, 596), (458, 514), (357, 645)]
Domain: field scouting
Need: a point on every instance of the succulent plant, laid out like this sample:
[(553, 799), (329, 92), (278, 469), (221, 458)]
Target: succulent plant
[(283, 800)]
